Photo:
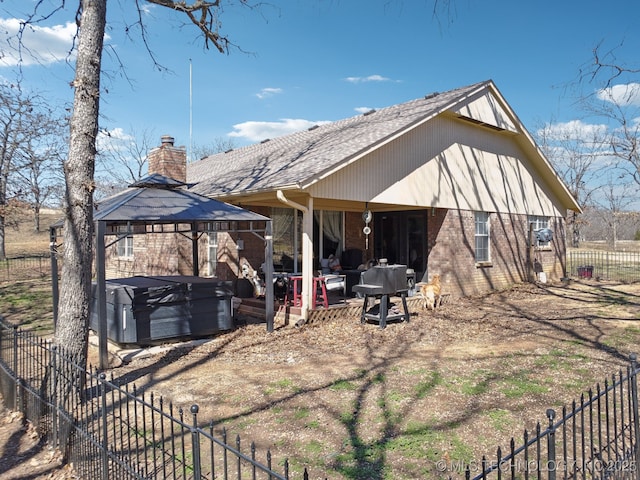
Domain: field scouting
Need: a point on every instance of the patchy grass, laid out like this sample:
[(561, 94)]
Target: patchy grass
[(361, 403), (28, 304)]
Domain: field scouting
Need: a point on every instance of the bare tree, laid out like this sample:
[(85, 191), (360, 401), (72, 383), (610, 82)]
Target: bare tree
[(75, 285), (615, 100), (218, 145), (613, 205), (23, 120), (121, 159), (576, 152), (41, 158)]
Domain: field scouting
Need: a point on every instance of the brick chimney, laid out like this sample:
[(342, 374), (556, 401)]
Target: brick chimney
[(169, 160)]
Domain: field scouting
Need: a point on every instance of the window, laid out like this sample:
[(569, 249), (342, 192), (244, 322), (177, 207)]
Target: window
[(212, 254), (327, 233), (482, 236), (125, 244), (287, 239), (537, 222)]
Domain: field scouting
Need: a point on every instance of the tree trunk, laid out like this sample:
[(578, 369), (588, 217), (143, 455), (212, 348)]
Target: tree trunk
[(36, 218), (75, 285), (575, 230), (3, 216)]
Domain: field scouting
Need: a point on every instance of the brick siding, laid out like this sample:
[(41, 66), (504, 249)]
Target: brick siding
[(451, 252)]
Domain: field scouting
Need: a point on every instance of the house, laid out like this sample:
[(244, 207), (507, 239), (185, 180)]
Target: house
[(451, 183)]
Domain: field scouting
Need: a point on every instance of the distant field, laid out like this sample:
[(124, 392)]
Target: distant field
[(621, 246), (24, 240)]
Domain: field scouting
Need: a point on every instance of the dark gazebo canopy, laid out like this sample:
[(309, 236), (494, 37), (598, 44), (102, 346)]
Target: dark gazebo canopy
[(159, 200)]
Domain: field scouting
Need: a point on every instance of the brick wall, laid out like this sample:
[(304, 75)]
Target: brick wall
[(354, 237), (451, 252), (452, 247)]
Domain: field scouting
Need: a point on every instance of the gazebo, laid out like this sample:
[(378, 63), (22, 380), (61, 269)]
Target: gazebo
[(159, 205)]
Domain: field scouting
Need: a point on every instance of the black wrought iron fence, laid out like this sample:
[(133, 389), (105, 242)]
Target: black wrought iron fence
[(595, 438), (25, 267), (604, 265), (114, 431)]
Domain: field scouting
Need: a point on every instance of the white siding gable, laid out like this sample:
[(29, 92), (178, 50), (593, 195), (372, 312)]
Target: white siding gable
[(485, 108), (446, 163)]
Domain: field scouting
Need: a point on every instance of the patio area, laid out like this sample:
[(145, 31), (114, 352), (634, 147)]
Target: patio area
[(251, 310)]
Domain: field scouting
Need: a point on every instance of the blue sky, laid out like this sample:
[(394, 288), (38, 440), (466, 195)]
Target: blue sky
[(306, 61)]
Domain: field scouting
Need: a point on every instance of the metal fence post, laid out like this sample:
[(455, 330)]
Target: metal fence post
[(636, 422), (15, 366), (195, 443), (54, 393), (105, 439), (551, 446)]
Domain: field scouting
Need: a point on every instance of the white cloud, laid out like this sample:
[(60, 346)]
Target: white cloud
[(40, 45), (573, 129), (268, 92), (113, 140), (257, 131), (623, 95), (363, 109), (370, 78)]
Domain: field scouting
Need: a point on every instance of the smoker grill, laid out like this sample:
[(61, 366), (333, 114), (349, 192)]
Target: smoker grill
[(381, 282)]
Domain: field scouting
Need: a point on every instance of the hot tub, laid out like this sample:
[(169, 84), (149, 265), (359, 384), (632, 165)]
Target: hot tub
[(146, 310)]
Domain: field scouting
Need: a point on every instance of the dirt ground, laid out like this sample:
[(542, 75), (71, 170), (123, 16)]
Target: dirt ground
[(353, 401)]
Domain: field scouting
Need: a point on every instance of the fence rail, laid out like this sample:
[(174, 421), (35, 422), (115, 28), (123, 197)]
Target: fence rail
[(114, 431), (25, 267), (604, 265)]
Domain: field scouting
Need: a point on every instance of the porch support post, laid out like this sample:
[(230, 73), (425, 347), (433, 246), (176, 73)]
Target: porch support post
[(307, 258), (268, 275)]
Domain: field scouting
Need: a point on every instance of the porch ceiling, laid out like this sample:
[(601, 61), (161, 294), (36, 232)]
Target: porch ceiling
[(269, 199)]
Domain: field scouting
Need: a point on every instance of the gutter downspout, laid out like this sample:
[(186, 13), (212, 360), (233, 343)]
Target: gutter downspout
[(291, 203), (307, 248)]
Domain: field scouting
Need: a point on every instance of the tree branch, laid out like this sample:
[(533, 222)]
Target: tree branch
[(204, 15)]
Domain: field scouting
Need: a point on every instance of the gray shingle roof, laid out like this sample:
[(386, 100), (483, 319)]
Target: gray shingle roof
[(296, 159)]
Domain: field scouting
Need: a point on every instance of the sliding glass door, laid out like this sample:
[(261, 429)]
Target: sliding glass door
[(401, 238)]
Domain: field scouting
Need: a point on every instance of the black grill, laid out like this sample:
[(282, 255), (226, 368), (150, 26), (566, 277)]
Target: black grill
[(380, 282)]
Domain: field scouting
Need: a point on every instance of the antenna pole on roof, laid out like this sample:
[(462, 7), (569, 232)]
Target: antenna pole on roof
[(190, 153)]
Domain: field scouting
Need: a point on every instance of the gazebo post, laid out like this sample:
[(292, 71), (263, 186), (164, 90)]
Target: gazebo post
[(194, 250), (101, 295)]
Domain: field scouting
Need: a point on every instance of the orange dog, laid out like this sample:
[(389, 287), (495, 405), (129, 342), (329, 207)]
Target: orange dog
[(430, 293)]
